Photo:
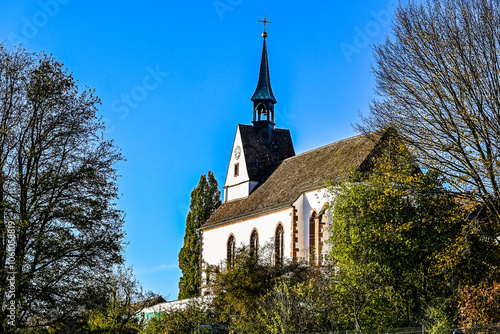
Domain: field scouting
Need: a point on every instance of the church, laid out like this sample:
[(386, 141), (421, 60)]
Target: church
[(272, 194)]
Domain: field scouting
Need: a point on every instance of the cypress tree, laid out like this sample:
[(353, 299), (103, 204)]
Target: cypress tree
[(205, 199)]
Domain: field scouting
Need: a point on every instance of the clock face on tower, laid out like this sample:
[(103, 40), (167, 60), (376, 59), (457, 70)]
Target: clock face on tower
[(237, 152)]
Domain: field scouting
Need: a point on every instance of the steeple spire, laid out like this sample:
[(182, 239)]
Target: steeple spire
[(263, 99), (264, 90)]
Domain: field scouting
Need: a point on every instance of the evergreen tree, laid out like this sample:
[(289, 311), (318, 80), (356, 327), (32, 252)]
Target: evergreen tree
[(205, 199)]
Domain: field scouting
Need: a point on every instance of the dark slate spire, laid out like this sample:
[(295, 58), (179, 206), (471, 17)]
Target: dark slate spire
[(264, 90), (263, 99)]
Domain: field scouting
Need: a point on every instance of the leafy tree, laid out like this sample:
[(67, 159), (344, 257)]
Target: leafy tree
[(58, 220), (255, 296), (185, 320), (388, 228), (480, 305), (239, 287), (302, 306), (120, 301), (439, 84), (205, 199)]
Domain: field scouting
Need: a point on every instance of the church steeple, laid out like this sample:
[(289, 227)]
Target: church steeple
[(264, 92), (263, 99)]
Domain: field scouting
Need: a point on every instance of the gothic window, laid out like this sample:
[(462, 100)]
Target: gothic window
[(279, 244), (254, 243), (236, 169), (312, 237), (231, 250)]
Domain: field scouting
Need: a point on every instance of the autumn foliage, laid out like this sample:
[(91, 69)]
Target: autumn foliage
[(480, 305)]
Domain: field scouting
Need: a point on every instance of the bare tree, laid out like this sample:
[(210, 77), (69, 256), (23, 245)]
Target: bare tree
[(438, 79), (58, 192)]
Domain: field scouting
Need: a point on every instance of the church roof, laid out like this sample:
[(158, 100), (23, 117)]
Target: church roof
[(262, 156), (296, 175), (264, 90)]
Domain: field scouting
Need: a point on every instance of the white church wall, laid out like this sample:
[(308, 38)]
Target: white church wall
[(299, 206), (327, 218), (237, 191), (215, 240), (236, 186), (305, 205)]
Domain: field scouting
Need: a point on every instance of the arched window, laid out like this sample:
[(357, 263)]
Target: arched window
[(312, 237), (254, 243), (231, 250), (279, 244)]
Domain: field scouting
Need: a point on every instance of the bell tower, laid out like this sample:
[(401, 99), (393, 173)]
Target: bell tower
[(259, 147), (263, 99)]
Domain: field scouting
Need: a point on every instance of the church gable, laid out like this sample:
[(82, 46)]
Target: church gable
[(237, 171), (252, 158)]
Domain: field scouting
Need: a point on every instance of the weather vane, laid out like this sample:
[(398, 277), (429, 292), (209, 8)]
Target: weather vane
[(265, 22)]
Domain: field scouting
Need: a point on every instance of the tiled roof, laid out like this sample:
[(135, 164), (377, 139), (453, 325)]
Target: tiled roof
[(293, 176), (261, 157), (148, 303)]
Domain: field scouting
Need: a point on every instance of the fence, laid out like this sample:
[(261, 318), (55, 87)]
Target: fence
[(418, 330), (408, 330), (224, 329), (213, 329)]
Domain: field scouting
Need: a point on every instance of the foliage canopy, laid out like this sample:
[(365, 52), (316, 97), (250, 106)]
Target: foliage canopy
[(58, 222), (389, 232)]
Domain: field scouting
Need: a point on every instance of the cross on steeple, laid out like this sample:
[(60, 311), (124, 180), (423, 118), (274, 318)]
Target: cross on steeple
[(265, 22)]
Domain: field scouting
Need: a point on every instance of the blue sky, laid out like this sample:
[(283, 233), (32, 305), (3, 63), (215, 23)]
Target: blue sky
[(176, 77)]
